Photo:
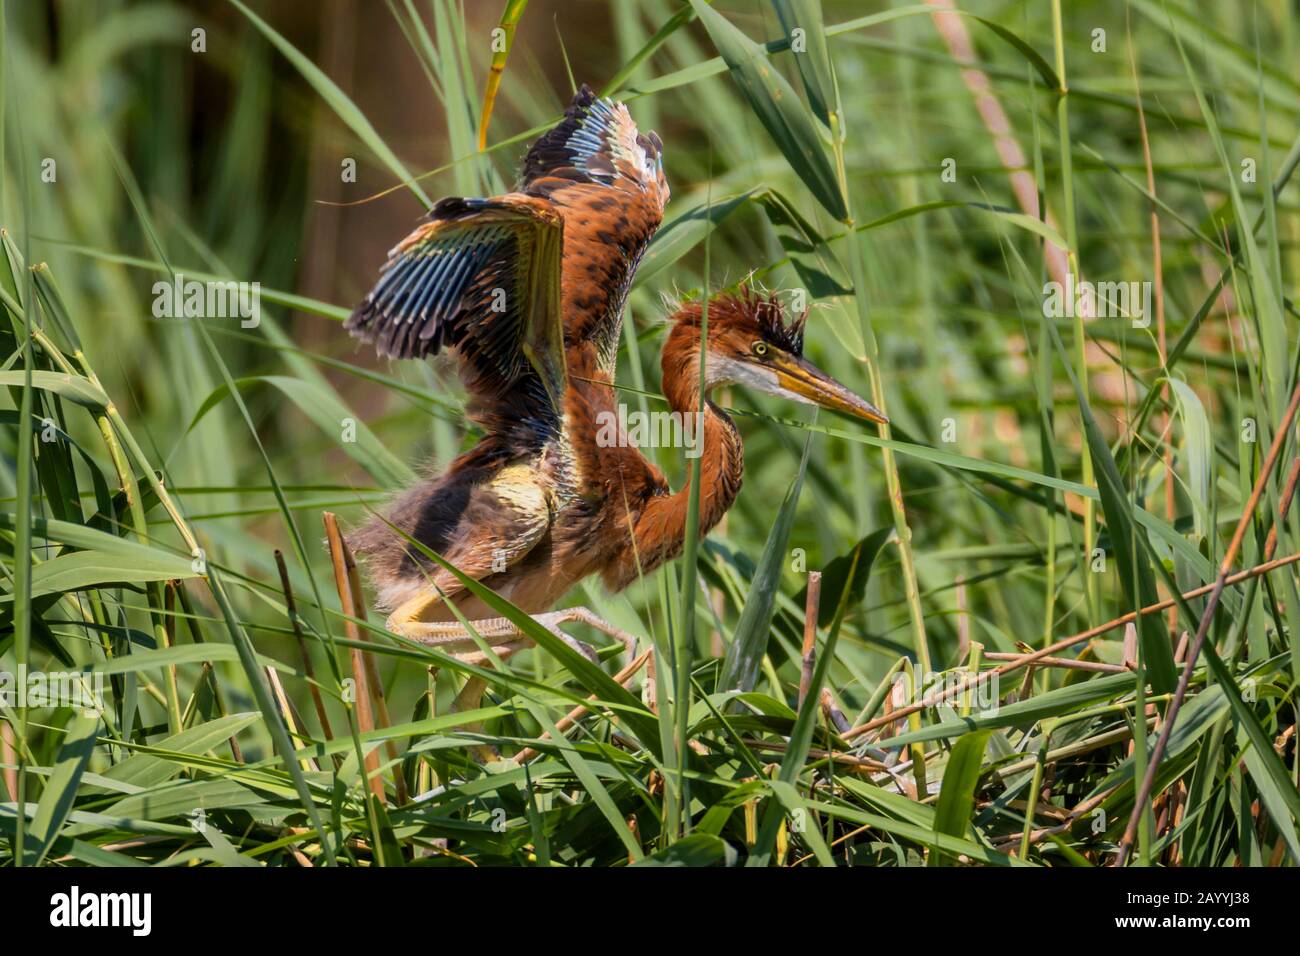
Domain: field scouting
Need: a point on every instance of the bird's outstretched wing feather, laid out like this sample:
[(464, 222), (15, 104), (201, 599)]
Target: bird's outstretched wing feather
[(481, 276), (597, 142), (607, 181), (507, 282)]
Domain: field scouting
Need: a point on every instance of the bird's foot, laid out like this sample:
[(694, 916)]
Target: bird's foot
[(585, 615), (503, 636)]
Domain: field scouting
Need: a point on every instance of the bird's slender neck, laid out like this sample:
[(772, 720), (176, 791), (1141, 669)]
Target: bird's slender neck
[(660, 530), (722, 459)]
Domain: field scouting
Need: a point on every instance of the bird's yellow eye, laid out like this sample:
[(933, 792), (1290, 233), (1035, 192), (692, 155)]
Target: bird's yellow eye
[(759, 347)]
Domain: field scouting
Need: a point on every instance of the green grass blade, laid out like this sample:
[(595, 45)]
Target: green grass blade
[(338, 101), (749, 642), (61, 787), (957, 796), (777, 107)]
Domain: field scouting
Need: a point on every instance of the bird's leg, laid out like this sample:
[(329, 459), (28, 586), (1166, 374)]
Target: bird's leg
[(500, 634), (453, 638)]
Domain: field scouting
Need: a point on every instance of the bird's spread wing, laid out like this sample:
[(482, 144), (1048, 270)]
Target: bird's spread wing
[(606, 179), (481, 276), (507, 282)]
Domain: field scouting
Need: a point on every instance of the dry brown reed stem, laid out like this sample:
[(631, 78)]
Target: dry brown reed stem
[(372, 671), (1027, 684), (1284, 506), (1207, 616), (957, 38), (1075, 815), (811, 608), (852, 761), (9, 758), (1027, 659), (623, 677), (1280, 744), (1065, 662), (365, 716), (307, 667)]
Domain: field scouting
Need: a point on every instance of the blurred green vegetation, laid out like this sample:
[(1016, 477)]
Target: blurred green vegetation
[(864, 170)]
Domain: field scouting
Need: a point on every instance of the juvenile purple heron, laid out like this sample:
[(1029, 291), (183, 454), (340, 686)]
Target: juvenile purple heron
[(528, 291)]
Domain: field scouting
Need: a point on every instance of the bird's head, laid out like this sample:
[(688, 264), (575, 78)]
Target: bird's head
[(752, 343)]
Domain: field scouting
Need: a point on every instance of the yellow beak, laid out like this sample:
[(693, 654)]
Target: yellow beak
[(810, 384)]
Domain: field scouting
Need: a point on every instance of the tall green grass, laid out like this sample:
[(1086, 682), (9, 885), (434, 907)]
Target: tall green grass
[(153, 467)]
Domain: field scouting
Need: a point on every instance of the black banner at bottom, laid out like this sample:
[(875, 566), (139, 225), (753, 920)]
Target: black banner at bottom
[(337, 906)]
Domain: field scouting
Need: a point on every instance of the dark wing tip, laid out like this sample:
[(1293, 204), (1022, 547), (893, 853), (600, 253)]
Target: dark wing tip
[(550, 154), (583, 97), (594, 142)]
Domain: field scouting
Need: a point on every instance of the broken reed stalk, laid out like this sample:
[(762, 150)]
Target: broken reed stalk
[(811, 608), (307, 667), (372, 672), (834, 716), (1203, 629), (840, 757), (1025, 660), (365, 716), (1066, 662), (1072, 818), (623, 677)]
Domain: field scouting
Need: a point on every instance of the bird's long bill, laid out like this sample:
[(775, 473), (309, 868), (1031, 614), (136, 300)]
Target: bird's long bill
[(810, 383)]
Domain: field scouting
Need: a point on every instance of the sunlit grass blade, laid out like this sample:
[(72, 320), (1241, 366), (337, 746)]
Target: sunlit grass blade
[(502, 39)]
